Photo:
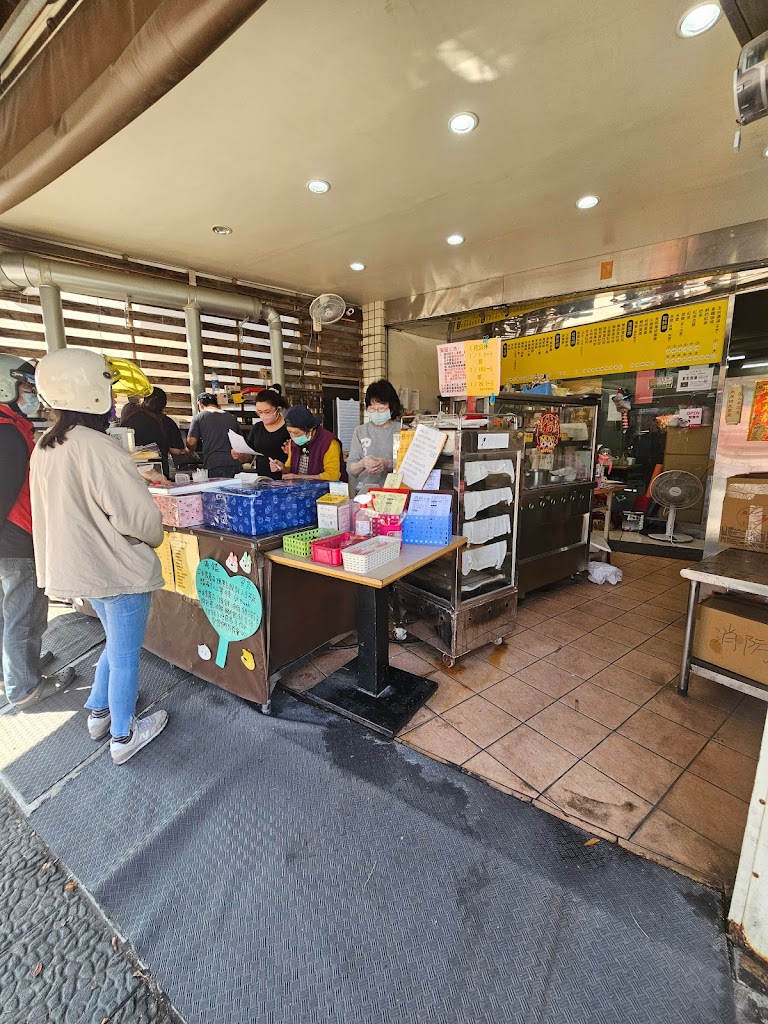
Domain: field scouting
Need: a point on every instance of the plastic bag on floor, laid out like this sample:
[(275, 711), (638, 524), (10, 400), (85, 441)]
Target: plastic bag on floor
[(599, 572)]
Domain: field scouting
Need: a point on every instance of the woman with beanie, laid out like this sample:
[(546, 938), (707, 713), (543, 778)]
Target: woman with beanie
[(313, 451)]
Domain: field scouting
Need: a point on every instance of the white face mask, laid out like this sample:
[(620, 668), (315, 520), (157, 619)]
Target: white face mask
[(28, 404)]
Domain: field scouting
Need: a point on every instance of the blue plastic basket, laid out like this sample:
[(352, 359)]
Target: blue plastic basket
[(263, 510), (434, 530)]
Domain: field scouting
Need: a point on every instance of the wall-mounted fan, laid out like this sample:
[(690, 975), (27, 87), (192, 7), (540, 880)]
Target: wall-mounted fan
[(326, 309), (675, 489)]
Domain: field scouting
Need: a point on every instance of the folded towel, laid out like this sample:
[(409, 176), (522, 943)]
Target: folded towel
[(483, 530), (475, 471), (475, 502), (489, 557)]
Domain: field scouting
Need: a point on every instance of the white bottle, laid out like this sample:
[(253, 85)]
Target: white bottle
[(362, 518)]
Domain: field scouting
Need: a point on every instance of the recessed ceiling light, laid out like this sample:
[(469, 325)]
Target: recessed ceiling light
[(463, 123), (318, 186), (221, 229), (587, 202), (698, 19), (455, 239), (765, 152), (357, 265)]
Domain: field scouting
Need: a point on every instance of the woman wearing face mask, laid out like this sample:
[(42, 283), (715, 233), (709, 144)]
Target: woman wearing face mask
[(370, 453), (269, 436), (313, 452)]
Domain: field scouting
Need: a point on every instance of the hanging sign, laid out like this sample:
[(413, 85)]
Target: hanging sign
[(469, 368), (664, 383), (452, 370), (699, 379), (547, 433), (232, 605), (683, 336), (758, 418)]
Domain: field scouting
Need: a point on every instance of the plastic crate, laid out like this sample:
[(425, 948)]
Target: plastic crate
[(434, 530), (370, 554), (382, 524), (267, 509), (328, 549), (301, 543)]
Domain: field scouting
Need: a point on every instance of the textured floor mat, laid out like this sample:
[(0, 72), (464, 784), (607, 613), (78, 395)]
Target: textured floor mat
[(41, 746), (69, 637), (295, 869)]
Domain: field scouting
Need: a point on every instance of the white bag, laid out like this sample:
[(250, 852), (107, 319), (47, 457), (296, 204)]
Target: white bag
[(599, 572)]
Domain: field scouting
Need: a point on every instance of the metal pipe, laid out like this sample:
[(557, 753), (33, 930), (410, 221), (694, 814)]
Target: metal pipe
[(26, 270), (195, 351), (53, 317)]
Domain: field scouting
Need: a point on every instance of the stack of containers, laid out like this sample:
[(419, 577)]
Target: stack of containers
[(180, 509), (262, 510)]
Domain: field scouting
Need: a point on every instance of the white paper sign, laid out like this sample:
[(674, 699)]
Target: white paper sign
[(338, 487), (422, 454), (239, 444), (699, 378), (347, 418), (452, 370), (433, 481), (429, 504), (693, 416), (486, 441)]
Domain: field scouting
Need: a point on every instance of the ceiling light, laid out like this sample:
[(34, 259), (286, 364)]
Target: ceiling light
[(733, 359), (455, 239), (221, 229), (698, 19), (318, 186), (754, 366), (765, 152), (587, 202), (357, 265), (464, 123)]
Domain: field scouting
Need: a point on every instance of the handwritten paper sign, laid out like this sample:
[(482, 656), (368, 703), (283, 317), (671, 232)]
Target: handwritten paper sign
[(402, 441), (165, 555), (483, 366), (389, 503), (430, 504), (232, 605), (452, 370), (393, 480), (422, 454), (186, 558)]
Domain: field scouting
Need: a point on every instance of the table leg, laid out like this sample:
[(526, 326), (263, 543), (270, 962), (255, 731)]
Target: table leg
[(368, 689), (608, 504), (690, 622)]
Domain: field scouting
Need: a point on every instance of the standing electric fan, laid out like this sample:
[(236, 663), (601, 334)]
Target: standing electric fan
[(675, 489)]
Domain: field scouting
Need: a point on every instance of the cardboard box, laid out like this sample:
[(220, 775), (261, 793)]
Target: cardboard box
[(744, 520), (180, 509), (688, 441), (334, 512), (733, 634)]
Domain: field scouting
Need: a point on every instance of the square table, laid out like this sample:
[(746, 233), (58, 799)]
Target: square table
[(369, 690)]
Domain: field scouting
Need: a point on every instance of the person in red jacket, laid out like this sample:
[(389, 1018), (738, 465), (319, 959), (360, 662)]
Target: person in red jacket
[(23, 605)]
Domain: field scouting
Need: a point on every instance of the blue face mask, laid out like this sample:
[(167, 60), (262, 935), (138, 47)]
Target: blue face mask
[(301, 440), (28, 404), (380, 418)]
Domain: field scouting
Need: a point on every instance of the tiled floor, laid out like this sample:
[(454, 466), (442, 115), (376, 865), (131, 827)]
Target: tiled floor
[(578, 713)]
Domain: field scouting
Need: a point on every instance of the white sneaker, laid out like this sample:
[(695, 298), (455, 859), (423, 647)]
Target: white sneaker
[(143, 731), (99, 727)]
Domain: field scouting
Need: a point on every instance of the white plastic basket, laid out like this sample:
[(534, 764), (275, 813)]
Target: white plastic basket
[(371, 553)]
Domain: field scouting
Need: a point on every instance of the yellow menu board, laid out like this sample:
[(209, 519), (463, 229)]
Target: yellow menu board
[(186, 558), (483, 369), (403, 441), (165, 555), (683, 336)]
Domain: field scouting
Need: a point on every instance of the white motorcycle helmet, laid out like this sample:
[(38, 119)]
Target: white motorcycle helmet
[(14, 370), (83, 380)]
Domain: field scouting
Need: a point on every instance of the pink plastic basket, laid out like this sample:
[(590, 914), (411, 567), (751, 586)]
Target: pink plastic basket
[(383, 524), (328, 550)]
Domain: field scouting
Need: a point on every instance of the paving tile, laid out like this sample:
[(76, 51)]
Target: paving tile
[(617, 599), (549, 678), (593, 797), (567, 728), (600, 705), (330, 661), (710, 692), (604, 607), (507, 659), (422, 715), (674, 633), (585, 616), (664, 650), (559, 629), (645, 665), (449, 693), (303, 678), (726, 768), (639, 622), (622, 634), (527, 617), (626, 684), (532, 757), (600, 647), (677, 602), (662, 834), (708, 810), (494, 772), (409, 661), (517, 698), (640, 770), (577, 662), (662, 736), (475, 672), (440, 740), (742, 734), (543, 803), (750, 707), (480, 720), (687, 711), (657, 611), (532, 642)]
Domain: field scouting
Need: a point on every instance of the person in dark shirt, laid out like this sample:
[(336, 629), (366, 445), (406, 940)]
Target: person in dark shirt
[(152, 426), (23, 605), (210, 429), (269, 437)]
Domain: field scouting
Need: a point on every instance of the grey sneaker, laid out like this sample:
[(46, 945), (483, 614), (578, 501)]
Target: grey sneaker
[(48, 686), (143, 731), (98, 728)]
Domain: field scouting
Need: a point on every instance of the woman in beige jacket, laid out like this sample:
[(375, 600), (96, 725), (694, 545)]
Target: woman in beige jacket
[(94, 527)]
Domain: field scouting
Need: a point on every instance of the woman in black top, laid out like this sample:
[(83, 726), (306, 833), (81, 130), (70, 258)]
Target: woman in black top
[(152, 426), (269, 437)]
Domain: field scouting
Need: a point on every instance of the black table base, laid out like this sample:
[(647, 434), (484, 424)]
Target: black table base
[(369, 690)]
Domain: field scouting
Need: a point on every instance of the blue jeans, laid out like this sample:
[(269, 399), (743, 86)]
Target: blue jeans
[(23, 618), (116, 683)]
